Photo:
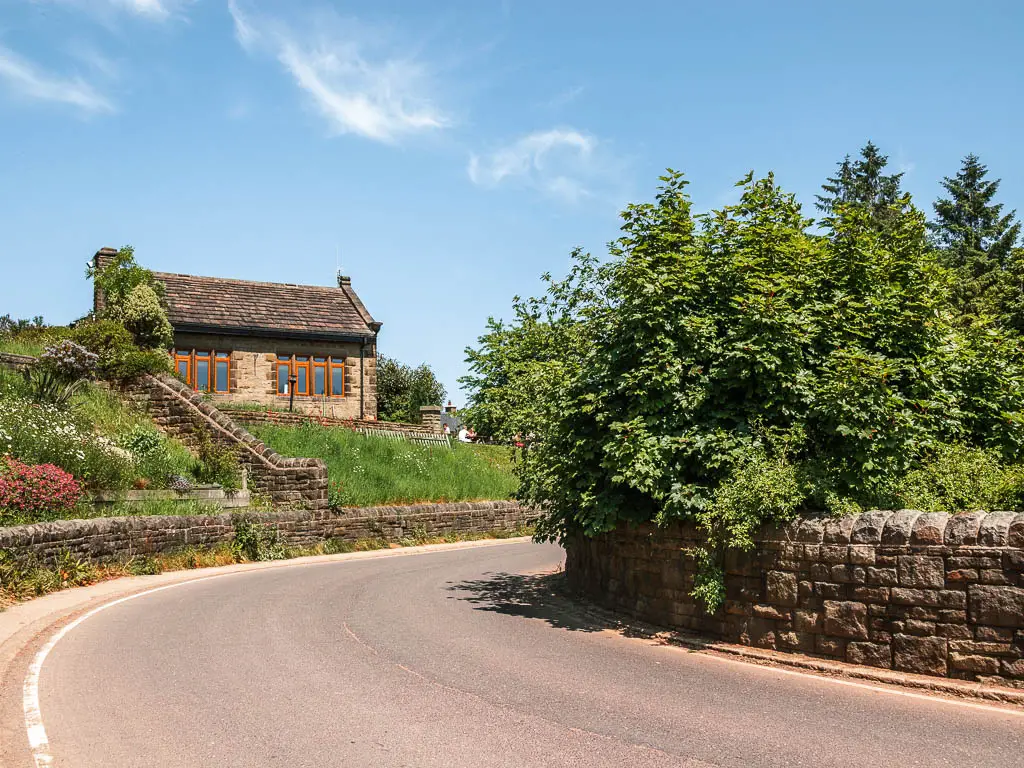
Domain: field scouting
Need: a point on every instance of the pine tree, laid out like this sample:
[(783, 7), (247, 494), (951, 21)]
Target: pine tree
[(976, 239), (861, 182)]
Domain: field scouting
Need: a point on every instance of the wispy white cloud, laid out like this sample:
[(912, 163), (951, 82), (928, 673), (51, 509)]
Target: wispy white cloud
[(564, 98), (382, 97), (28, 80), (158, 10), (561, 162)]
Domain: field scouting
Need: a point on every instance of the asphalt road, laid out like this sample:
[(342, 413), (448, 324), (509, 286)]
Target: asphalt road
[(456, 658)]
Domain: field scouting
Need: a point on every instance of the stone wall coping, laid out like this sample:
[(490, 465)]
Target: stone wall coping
[(905, 527), (12, 360)]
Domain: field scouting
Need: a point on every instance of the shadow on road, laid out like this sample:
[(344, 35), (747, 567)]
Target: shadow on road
[(542, 596)]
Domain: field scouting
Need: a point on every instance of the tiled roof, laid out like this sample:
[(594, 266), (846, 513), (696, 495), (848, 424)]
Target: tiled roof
[(244, 305)]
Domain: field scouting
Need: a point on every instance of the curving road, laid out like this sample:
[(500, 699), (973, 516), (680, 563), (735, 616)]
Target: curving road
[(454, 658)]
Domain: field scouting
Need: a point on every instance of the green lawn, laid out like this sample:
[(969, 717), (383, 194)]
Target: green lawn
[(372, 470)]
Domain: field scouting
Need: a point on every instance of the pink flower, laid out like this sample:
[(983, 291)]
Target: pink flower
[(34, 488)]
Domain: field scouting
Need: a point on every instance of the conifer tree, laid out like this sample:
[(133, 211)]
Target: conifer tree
[(861, 183), (975, 237)]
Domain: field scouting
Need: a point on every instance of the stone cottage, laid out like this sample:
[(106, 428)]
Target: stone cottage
[(274, 344)]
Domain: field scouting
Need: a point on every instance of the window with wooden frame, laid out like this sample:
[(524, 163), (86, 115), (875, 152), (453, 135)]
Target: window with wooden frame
[(204, 370), (312, 375)]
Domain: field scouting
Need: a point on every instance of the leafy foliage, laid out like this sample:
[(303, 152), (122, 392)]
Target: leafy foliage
[(402, 389), (45, 385), (119, 358), (133, 297), (736, 367), (217, 463), (255, 542), (518, 365)]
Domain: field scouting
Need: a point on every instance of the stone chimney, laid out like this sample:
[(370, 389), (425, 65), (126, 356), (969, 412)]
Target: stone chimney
[(430, 416), (450, 409), (344, 280), (102, 258)]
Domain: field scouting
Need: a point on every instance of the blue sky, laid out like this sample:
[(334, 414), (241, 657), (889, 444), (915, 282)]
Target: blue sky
[(452, 152)]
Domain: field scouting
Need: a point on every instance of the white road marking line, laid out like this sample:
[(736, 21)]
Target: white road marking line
[(39, 742)]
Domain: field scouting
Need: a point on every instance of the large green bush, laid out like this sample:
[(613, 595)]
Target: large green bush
[(119, 356), (738, 366), (133, 297)]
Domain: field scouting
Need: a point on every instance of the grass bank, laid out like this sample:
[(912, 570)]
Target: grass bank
[(367, 470)]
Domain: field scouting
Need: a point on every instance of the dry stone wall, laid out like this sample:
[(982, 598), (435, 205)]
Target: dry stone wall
[(298, 419), (927, 593), (182, 413), (120, 537)]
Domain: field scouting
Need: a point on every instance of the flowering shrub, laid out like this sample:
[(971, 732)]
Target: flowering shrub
[(69, 360), (180, 483), (35, 490), (45, 434)]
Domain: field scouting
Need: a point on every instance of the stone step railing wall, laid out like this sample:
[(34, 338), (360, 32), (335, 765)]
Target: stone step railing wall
[(113, 538), (182, 413), (920, 592)]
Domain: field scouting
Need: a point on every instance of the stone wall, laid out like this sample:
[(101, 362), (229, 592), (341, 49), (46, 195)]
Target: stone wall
[(16, 362), (120, 537), (182, 413), (298, 419), (253, 373), (920, 592)]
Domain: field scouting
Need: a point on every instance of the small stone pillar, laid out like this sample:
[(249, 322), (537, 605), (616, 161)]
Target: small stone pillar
[(430, 417)]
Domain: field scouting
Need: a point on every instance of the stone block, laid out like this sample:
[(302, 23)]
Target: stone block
[(918, 627), (870, 594), (886, 577), (921, 571), (827, 590), (994, 634), (934, 598), (923, 655), (899, 527), (962, 529), (981, 665), (846, 619), (869, 654), (868, 527), (999, 606), (862, 554), (929, 529), (807, 621), (953, 631), (782, 588), (830, 646)]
